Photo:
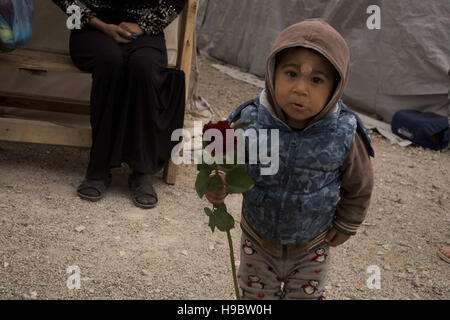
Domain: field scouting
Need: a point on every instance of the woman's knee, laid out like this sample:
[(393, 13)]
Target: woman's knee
[(110, 61), (140, 64)]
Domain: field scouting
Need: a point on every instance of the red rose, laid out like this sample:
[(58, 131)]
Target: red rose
[(222, 126)]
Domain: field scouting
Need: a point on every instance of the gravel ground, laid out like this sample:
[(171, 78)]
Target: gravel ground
[(123, 252)]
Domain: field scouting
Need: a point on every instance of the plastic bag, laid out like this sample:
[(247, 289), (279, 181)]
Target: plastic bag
[(16, 23)]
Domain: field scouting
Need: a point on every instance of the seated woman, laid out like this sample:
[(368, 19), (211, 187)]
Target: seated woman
[(136, 101)]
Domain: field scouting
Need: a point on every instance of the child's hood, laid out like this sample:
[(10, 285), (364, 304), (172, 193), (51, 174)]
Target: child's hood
[(318, 35)]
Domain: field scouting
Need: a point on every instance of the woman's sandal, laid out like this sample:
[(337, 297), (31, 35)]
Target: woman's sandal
[(443, 255), (142, 192), (93, 190)]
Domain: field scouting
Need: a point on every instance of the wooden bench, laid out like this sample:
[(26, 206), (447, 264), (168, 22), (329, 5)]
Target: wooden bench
[(40, 62)]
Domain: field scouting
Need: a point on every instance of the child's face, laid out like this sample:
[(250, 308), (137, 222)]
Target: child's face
[(304, 83)]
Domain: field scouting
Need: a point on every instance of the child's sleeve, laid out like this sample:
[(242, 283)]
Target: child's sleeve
[(356, 189)]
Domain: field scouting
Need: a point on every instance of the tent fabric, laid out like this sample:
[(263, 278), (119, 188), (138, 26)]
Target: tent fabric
[(51, 33), (402, 65)]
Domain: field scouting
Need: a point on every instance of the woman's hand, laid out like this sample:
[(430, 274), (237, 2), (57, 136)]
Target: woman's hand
[(132, 28), (120, 33), (117, 33)]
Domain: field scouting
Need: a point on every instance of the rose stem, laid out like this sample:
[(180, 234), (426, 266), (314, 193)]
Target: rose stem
[(233, 266)]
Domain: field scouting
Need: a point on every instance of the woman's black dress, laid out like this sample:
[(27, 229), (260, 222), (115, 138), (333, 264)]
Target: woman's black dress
[(136, 100)]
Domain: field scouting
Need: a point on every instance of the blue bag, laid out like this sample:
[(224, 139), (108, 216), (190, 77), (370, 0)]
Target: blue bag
[(425, 129), (16, 23)]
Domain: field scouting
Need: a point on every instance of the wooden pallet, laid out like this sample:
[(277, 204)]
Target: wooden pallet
[(40, 62)]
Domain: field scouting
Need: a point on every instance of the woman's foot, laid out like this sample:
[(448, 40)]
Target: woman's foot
[(142, 192), (444, 253), (93, 190)]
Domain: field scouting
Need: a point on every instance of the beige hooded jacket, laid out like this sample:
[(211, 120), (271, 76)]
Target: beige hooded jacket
[(357, 175), (319, 36)]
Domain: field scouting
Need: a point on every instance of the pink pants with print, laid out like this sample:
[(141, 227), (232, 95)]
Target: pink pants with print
[(262, 276)]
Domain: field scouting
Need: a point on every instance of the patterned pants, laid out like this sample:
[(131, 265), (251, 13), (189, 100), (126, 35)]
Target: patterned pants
[(264, 277)]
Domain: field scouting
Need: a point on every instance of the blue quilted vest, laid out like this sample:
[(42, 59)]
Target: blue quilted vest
[(298, 202)]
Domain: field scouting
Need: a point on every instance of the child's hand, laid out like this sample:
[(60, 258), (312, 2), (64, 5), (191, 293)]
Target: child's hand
[(217, 197), (335, 237)]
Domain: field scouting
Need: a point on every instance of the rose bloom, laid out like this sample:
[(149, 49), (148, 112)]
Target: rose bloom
[(222, 126)]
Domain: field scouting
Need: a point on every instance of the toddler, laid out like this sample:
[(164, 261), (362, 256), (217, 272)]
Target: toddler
[(321, 192)]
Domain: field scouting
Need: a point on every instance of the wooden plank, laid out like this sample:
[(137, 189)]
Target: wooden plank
[(70, 120), (19, 130), (185, 64), (37, 60), (170, 172), (40, 102), (187, 47)]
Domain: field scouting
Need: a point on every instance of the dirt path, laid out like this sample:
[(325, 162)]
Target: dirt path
[(170, 253)]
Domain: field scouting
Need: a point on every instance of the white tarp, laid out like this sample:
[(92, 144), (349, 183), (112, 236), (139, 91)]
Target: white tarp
[(402, 65)]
